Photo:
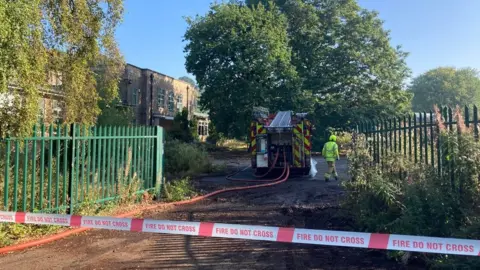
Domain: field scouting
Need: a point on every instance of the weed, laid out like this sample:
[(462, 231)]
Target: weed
[(404, 197), (179, 190), (185, 159)]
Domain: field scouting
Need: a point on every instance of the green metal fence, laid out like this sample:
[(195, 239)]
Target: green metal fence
[(415, 136), (60, 167)]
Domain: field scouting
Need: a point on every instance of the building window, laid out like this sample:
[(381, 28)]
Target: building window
[(180, 102), (202, 128), (135, 97), (160, 97), (171, 102)]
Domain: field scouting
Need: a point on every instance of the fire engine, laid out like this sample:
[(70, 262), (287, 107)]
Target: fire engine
[(283, 134)]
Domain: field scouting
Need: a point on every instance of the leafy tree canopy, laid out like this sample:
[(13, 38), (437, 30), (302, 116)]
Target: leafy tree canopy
[(241, 58), (69, 40), (445, 86), (345, 60), (188, 80), (339, 53)]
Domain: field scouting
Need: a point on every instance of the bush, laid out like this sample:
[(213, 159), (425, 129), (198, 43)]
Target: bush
[(407, 198), (183, 129), (179, 190), (184, 159)]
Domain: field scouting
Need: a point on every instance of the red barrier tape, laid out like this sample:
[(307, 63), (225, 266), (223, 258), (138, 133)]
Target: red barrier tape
[(252, 232)]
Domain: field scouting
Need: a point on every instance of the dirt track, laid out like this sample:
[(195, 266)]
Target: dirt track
[(298, 202)]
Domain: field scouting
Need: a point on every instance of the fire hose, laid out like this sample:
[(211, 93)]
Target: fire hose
[(271, 167), (286, 169), (61, 235)]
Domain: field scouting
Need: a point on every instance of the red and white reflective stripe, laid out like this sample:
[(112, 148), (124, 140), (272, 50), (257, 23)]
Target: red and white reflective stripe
[(253, 232)]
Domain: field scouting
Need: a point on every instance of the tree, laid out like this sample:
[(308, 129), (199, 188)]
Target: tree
[(241, 58), (445, 86), (114, 114), (183, 129), (188, 80), (66, 39), (343, 55)]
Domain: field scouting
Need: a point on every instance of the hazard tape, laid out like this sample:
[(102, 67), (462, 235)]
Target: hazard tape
[(253, 232)]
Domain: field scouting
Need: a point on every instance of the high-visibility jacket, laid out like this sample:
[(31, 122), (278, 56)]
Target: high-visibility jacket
[(330, 151)]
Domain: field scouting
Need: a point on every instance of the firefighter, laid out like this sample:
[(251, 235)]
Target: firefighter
[(330, 153)]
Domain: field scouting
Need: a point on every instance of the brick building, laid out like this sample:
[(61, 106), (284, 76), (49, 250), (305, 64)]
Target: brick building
[(157, 98)]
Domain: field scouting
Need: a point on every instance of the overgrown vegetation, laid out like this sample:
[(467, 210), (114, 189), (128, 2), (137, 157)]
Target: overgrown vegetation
[(178, 190), (400, 196), (185, 159), (127, 195), (70, 44), (183, 128), (114, 114)]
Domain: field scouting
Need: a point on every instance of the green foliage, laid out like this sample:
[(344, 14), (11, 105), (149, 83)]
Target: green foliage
[(179, 190), (113, 114), (183, 129), (184, 159), (407, 198), (22, 63), (188, 80), (63, 40), (241, 58), (445, 86), (214, 137), (344, 58)]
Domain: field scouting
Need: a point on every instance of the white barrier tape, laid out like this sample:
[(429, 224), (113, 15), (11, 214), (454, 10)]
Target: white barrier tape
[(252, 232)]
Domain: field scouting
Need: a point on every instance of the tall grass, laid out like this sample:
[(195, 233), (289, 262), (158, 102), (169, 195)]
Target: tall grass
[(407, 197)]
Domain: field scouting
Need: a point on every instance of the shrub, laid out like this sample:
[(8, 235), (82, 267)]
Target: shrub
[(179, 190), (183, 129), (184, 159), (402, 197)]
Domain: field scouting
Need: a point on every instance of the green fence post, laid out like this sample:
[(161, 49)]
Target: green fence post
[(50, 166), (72, 183), (65, 165), (42, 166), (83, 183), (25, 176), (57, 171), (108, 161), (103, 169), (159, 147), (15, 176), (34, 168), (116, 189), (7, 174)]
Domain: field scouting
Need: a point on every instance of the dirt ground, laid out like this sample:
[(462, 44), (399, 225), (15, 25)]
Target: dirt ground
[(303, 203)]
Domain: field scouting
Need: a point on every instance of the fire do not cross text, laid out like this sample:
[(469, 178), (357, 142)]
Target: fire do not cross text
[(245, 232), (432, 246)]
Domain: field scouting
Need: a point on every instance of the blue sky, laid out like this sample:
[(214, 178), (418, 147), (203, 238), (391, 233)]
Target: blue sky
[(434, 32)]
